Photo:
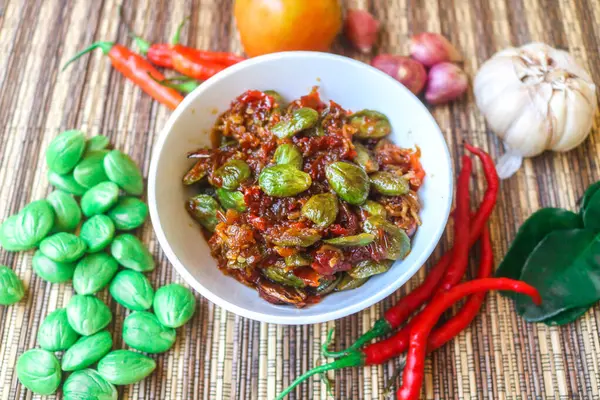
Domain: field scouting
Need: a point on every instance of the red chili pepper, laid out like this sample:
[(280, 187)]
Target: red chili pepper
[(197, 64), (470, 309), (223, 58), (408, 304), (159, 54), (186, 62), (419, 334), (460, 252), (412, 377), (138, 70), (491, 193), (384, 350)]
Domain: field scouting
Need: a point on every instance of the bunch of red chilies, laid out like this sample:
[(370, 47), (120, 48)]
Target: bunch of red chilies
[(441, 288), (194, 64)]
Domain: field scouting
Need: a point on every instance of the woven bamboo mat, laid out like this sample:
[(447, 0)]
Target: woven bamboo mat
[(223, 356)]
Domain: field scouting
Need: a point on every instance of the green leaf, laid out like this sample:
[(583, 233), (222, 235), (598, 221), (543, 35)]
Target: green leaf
[(530, 234), (587, 196), (568, 316), (591, 213), (565, 268)]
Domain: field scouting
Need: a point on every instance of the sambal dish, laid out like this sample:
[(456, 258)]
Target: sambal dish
[(303, 199)]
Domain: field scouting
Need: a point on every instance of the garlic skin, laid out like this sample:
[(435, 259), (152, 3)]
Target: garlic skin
[(535, 98)]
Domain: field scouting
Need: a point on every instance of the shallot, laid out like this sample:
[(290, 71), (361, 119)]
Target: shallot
[(361, 29), (446, 81), (407, 71), (432, 48)]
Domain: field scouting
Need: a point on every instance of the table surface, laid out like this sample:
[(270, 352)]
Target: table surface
[(223, 356)]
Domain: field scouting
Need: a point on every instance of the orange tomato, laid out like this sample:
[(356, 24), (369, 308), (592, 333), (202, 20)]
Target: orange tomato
[(269, 26)]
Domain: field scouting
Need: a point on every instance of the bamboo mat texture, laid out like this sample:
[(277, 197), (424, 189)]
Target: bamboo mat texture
[(219, 355)]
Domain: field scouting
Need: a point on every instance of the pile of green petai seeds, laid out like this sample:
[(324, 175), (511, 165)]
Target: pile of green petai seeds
[(82, 233)]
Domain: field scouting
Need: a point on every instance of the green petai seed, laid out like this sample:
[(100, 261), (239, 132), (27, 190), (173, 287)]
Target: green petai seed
[(39, 371), (97, 232)]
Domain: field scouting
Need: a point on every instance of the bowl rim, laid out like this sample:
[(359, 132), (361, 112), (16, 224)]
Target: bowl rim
[(343, 310)]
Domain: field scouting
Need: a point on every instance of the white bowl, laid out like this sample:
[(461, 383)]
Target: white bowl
[(352, 84)]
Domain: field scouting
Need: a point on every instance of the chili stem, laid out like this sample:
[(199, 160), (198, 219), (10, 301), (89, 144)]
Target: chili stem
[(351, 360), (141, 44), (380, 328), (177, 34), (104, 46)]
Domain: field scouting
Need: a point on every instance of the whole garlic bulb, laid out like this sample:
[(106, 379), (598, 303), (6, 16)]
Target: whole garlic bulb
[(535, 98)]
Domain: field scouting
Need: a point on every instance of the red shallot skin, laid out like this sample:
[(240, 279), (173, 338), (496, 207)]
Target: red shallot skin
[(405, 70), (361, 29), (432, 48), (446, 82)]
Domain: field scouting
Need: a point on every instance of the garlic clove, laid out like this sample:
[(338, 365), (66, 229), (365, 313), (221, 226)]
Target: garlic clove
[(504, 108), (569, 107), (488, 78), (529, 131)]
